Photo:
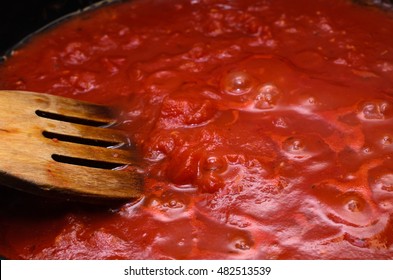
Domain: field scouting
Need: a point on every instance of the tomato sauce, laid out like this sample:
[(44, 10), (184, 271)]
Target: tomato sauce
[(265, 128)]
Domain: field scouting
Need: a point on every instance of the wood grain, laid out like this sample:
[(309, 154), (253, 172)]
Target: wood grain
[(27, 155)]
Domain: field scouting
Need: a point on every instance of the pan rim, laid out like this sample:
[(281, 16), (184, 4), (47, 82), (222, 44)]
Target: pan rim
[(53, 24)]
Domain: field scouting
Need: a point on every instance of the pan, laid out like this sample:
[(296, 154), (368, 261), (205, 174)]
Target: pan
[(191, 215)]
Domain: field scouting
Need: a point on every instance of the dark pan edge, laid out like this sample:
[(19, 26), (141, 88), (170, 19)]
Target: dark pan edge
[(53, 24)]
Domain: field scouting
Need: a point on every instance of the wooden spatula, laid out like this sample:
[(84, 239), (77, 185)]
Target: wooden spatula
[(58, 146)]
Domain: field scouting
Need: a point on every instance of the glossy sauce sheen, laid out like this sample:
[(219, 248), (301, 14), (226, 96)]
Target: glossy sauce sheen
[(266, 129)]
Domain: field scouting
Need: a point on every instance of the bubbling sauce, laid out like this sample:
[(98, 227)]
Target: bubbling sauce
[(265, 129)]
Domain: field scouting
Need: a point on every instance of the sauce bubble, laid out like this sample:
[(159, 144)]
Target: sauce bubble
[(237, 83), (267, 97)]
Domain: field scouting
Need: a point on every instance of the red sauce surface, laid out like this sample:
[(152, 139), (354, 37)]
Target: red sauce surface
[(266, 129)]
